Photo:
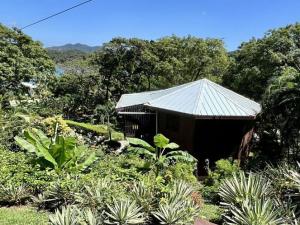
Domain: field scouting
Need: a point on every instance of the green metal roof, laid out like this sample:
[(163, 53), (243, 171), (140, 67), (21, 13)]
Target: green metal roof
[(201, 98)]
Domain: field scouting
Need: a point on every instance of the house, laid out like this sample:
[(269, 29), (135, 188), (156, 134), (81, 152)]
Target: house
[(208, 120)]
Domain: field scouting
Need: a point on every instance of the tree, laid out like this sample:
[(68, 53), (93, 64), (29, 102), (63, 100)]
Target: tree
[(124, 65), (188, 59), (79, 88), (21, 60), (279, 125), (257, 62), (131, 65)]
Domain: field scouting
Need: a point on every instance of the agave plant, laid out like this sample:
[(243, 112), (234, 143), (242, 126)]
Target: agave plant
[(11, 194), (258, 212), (177, 212), (181, 190), (93, 194), (170, 213), (249, 200), (241, 188), (294, 176), (67, 216), (124, 212), (89, 217), (178, 207), (143, 196), (57, 153), (163, 153)]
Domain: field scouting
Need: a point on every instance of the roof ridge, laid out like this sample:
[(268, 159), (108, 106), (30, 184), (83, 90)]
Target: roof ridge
[(199, 97), (177, 90), (244, 109)]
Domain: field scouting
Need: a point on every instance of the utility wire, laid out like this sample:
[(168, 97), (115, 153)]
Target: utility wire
[(48, 17)]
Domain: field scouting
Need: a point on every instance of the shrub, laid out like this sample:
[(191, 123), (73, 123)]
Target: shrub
[(120, 168), (182, 170), (212, 213), (16, 169), (224, 168)]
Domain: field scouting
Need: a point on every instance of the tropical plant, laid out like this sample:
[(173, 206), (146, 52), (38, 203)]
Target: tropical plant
[(89, 217), (143, 195), (61, 192), (57, 153), (162, 154), (124, 212), (95, 194), (240, 188), (11, 194), (259, 212), (249, 200), (67, 216), (178, 206), (224, 168)]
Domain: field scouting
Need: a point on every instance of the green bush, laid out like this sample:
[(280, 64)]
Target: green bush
[(16, 168), (120, 167), (182, 170), (60, 192), (212, 213), (224, 168)]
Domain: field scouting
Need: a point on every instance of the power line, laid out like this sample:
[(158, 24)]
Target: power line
[(48, 17)]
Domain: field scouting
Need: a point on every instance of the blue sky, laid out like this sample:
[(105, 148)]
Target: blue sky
[(97, 22)]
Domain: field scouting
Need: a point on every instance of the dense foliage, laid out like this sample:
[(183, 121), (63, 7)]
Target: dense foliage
[(61, 150), (21, 60), (262, 60)]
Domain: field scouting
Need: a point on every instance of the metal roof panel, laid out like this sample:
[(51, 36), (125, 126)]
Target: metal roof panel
[(198, 98)]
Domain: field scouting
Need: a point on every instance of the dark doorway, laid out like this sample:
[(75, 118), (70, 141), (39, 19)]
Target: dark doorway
[(217, 139)]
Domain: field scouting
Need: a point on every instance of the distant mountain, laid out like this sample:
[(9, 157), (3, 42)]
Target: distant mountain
[(78, 47)]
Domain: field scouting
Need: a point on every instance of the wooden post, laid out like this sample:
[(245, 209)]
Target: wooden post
[(156, 123)]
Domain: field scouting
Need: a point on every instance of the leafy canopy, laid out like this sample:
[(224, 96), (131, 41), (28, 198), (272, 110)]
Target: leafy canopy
[(21, 59)]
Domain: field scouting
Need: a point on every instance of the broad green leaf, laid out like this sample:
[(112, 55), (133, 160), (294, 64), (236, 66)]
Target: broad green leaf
[(141, 143), (181, 156), (87, 162), (161, 141), (44, 152), (63, 149), (142, 151), (42, 138), (25, 144), (172, 145)]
